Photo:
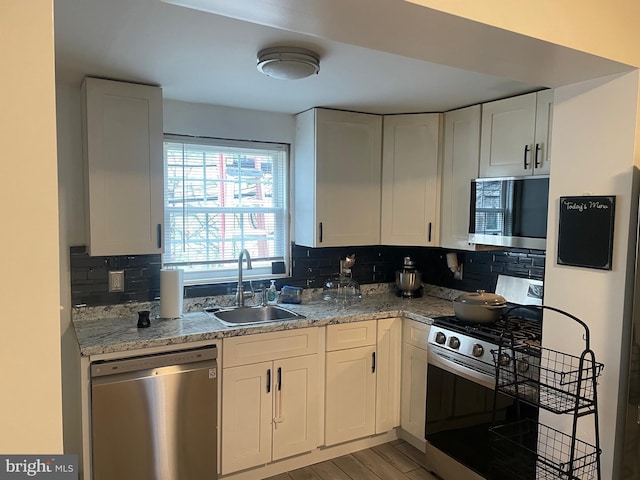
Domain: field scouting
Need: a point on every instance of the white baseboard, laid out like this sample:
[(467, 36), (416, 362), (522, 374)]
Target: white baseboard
[(318, 455), (419, 443)]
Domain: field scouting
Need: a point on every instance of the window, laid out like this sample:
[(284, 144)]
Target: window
[(222, 196)]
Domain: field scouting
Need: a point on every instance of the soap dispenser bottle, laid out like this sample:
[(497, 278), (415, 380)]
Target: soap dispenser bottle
[(272, 293)]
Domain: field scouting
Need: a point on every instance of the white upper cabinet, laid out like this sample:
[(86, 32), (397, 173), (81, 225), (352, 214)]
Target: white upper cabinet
[(516, 135), (123, 167), (410, 180), (544, 124), (461, 156), (337, 178)]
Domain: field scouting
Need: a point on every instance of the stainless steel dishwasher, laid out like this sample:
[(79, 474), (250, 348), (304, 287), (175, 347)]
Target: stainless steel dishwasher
[(155, 417)]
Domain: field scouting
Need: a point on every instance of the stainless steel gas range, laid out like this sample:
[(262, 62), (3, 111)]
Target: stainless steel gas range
[(461, 402)]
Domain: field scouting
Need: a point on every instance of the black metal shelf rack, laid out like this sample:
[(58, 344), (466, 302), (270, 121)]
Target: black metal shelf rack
[(559, 383)]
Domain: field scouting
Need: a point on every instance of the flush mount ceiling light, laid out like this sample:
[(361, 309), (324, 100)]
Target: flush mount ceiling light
[(288, 63)]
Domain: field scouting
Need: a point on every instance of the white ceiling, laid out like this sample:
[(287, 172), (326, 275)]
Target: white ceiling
[(203, 57)]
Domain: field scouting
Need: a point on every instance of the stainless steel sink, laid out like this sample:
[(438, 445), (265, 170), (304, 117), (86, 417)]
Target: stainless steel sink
[(251, 315)]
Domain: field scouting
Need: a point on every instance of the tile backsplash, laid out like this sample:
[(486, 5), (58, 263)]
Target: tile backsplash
[(311, 267), (90, 278)]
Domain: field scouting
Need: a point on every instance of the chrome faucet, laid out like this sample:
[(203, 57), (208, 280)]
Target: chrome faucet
[(240, 293)]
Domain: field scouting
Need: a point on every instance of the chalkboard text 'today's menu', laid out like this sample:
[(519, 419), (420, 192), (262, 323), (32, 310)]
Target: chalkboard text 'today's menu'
[(585, 231)]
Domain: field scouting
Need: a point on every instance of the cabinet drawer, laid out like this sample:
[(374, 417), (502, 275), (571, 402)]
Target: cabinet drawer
[(262, 347), (351, 335), (415, 333)]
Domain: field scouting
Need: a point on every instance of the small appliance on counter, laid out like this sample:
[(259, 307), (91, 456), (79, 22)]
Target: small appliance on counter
[(343, 288), (409, 280)]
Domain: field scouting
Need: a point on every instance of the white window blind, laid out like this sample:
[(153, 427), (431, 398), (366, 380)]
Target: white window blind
[(222, 196)]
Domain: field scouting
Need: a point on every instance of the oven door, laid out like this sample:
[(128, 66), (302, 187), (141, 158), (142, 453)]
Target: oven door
[(459, 411)]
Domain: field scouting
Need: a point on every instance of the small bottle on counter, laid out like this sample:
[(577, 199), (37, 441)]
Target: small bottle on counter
[(272, 293)]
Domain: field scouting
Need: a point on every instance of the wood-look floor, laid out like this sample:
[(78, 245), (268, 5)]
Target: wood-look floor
[(395, 460)]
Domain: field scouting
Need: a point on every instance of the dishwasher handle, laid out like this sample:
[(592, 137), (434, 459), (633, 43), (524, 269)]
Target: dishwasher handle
[(134, 364)]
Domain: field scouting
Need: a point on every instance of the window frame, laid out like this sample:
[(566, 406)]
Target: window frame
[(204, 276)]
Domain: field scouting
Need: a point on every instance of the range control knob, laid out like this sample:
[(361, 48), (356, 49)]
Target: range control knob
[(441, 338), (454, 343), (504, 359), (477, 350)]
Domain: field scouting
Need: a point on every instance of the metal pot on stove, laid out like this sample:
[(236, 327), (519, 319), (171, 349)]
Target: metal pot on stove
[(479, 306)]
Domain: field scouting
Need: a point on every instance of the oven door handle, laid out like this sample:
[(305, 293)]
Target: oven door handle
[(436, 359)]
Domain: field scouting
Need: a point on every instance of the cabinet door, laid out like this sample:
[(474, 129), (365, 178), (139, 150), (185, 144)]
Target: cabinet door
[(348, 175), (338, 178), (296, 406), (247, 406), (124, 167), (508, 128), (461, 158), (307, 231), (388, 373), (544, 124), (410, 180), (414, 388), (350, 395)]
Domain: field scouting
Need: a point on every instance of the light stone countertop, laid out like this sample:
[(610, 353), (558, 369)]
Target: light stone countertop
[(120, 334)]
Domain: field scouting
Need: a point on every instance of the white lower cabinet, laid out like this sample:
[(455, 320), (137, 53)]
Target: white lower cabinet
[(388, 370), (296, 406), (246, 417), (414, 377), (351, 394), (269, 408), (272, 390), (362, 379)]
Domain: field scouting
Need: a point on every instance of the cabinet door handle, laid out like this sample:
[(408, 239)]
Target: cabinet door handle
[(278, 400), (373, 362), (159, 233), (320, 232), (536, 161), (268, 380), (430, 232), (526, 151)]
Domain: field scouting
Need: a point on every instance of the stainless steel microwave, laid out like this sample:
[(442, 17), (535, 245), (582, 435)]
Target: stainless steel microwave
[(509, 211)]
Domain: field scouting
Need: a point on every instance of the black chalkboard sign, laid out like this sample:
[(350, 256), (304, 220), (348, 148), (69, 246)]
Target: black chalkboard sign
[(585, 233)]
